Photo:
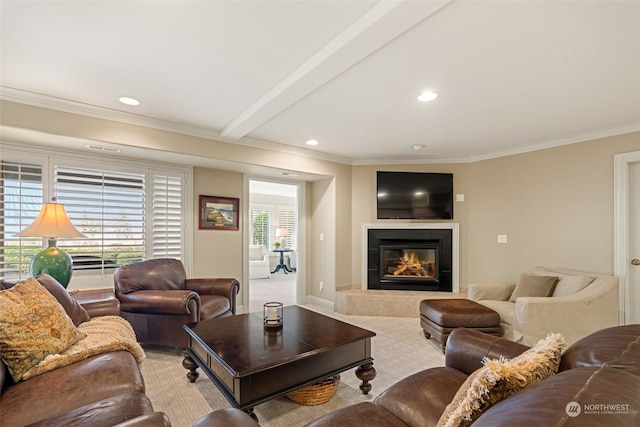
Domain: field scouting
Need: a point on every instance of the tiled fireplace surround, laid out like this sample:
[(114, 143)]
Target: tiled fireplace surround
[(395, 303)]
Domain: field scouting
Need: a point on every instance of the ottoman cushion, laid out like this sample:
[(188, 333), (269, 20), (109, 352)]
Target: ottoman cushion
[(456, 313)]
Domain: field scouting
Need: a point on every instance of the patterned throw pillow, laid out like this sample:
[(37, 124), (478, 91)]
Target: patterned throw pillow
[(498, 379), (32, 326)]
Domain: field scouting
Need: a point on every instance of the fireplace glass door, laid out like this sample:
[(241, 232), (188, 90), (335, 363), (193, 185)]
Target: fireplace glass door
[(409, 263)]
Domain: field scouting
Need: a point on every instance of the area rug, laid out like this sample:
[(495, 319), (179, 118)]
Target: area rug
[(399, 349)]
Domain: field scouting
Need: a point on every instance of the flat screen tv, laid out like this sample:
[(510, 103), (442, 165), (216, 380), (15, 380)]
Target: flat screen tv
[(414, 195)]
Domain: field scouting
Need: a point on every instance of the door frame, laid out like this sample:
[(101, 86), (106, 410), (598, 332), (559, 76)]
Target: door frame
[(621, 224), (301, 245)]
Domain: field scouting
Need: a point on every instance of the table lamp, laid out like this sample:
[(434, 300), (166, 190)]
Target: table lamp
[(282, 233), (52, 222)]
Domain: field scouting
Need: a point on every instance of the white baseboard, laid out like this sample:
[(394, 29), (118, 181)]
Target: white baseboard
[(329, 305)]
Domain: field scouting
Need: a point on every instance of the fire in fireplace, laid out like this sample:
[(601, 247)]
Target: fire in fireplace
[(408, 263)]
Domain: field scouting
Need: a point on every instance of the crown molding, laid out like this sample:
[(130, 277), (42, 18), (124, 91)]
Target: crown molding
[(65, 105), (88, 110)]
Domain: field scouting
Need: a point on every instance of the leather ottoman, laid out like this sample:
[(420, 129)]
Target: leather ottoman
[(438, 317)]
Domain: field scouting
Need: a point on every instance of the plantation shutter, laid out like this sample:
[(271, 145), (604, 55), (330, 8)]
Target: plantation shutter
[(167, 216), (108, 207), (287, 219), (21, 193), (260, 226)]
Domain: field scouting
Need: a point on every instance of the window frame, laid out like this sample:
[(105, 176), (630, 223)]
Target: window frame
[(50, 158)]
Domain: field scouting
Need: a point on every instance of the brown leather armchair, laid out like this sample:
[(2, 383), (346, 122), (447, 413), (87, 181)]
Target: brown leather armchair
[(157, 299)]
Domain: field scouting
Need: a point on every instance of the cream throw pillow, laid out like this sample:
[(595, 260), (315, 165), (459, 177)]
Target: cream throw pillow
[(498, 379), (33, 325), (532, 285)]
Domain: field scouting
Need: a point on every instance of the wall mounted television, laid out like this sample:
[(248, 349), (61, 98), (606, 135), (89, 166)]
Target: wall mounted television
[(414, 195)]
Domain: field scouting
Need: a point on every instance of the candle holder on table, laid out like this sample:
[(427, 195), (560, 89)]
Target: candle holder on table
[(273, 315)]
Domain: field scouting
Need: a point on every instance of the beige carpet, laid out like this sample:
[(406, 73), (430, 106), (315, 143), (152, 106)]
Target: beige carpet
[(399, 349)]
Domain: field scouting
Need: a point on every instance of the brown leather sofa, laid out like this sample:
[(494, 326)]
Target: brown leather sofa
[(599, 375), (100, 391), (158, 300)]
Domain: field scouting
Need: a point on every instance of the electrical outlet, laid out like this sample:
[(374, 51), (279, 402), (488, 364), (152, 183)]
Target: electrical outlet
[(321, 286), (502, 238)]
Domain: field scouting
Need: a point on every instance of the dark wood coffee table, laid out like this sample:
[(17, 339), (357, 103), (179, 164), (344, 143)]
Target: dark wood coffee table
[(250, 364)]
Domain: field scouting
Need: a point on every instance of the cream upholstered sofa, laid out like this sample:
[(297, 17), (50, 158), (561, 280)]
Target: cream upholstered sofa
[(258, 262), (580, 303)]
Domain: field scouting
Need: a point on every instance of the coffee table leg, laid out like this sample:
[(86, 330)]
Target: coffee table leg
[(191, 366), (252, 414), (366, 373)]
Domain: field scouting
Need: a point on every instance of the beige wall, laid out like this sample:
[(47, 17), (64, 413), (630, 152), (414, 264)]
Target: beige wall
[(215, 253), (555, 205)]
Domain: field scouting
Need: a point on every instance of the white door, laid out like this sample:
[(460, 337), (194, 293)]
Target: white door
[(634, 242), (627, 234)]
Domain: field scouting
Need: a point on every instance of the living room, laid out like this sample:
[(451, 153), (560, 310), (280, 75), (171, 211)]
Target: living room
[(536, 180), (555, 204)]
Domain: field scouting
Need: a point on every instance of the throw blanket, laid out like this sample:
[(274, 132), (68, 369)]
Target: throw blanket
[(104, 334)]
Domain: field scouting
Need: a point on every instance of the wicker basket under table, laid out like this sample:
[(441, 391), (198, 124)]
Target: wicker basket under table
[(316, 394)]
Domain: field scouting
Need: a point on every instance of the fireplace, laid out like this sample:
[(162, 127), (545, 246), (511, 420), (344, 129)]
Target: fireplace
[(415, 258)]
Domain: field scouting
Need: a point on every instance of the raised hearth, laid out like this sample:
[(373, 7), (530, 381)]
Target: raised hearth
[(410, 257)]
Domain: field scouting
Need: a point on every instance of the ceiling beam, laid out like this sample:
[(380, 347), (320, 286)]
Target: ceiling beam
[(383, 23)]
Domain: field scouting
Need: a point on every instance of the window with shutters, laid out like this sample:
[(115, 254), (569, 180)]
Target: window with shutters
[(21, 191), (127, 213), (287, 220), (260, 226)]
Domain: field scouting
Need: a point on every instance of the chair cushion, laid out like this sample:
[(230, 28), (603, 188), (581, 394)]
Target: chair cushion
[(505, 309), (212, 306), (103, 413)]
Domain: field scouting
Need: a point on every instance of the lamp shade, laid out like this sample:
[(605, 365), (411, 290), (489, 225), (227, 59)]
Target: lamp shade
[(52, 221), (282, 232)]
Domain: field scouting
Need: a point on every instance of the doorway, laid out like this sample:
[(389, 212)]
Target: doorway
[(273, 242), (627, 234)]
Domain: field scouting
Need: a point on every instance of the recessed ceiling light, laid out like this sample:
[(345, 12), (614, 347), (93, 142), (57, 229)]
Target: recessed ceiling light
[(312, 142), (418, 146), (427, 96), (129, 101)]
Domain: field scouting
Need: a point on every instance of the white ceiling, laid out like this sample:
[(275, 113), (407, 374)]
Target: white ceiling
[(511, 76)]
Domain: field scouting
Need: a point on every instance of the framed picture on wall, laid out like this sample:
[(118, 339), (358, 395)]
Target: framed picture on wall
[(219, 213)]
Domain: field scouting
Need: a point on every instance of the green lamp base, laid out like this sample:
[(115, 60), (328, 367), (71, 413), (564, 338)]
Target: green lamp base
[(54, 262)]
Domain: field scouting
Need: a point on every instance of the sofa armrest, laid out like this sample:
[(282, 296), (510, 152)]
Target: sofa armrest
[(226, 287), (175, 302), (466, 348), (497, 292)]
